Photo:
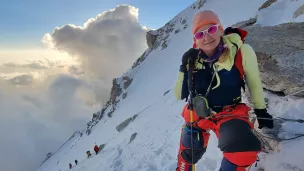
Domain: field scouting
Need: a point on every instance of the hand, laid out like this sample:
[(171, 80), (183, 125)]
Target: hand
[(264, 122), (190, 55)]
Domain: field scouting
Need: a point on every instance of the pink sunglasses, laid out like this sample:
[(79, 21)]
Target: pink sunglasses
[(211, 30)]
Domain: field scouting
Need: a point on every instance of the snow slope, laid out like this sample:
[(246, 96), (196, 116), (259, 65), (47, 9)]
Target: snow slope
[(280, 12), (159, 122)]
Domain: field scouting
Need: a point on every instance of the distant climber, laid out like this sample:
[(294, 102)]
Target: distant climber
[(70, 165), (76, 162), (96, 149), (89, 153)]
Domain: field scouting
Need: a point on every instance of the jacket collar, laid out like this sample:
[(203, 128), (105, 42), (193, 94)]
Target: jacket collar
[(226, 60)]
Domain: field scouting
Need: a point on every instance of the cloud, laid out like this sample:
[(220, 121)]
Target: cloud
[(34, 123), (22, 79), (74, 70), (32, 65), (41, 105), (106, 45), (47, 94)]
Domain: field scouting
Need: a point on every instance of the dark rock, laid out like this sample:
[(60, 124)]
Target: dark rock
[(243, 24), (164, 45), (127, 82), (267, 4), (151, 38), (201, 3), (111, 112), (166, 92), (280, 51), (298, 12), (124, 95), (133, 136), (125, 123), (115, 91)]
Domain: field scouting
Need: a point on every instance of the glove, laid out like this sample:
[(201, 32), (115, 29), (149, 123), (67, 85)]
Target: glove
[(264, 122), (191, 54), (205, 124)]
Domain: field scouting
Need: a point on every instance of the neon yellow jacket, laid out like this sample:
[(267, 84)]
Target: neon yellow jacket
[(226, 61)]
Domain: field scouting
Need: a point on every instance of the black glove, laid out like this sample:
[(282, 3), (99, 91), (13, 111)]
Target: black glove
[(264, 122), (191, 55)]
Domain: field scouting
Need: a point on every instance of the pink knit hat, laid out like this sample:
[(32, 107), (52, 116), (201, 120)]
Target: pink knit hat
[(203, 18)]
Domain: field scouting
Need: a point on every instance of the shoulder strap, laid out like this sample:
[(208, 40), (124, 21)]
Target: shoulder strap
[(213, 75), (238, 61), (238, 56)]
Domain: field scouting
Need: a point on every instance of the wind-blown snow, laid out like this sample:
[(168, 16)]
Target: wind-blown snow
[(290, 157), (158, 123), (280, 12)]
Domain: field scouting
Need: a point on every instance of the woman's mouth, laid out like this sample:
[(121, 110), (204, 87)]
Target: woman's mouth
[(209, 42)]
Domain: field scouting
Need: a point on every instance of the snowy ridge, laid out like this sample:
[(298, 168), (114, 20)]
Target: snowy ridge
[(158, 120)]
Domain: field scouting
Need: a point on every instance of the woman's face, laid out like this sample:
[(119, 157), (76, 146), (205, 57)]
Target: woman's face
[(208, 40)]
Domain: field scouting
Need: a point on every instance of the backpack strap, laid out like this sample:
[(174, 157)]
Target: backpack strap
[(238, 59), (238, 62)]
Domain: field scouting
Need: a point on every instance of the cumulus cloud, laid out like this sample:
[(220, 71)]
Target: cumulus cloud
[(106, 45)]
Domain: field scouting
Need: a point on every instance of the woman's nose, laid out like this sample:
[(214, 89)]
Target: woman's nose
[(207, 36)]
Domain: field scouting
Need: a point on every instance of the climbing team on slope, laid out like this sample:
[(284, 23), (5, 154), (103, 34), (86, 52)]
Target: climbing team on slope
[(213, 73), (96, 149)]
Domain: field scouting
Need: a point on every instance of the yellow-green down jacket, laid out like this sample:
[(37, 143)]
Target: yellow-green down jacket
[(227, 85)]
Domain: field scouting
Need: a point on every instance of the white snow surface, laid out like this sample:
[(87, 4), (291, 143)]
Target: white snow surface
[(159, 122), (279, 12)]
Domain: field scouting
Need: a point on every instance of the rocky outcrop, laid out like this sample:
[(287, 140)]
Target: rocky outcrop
[(124, 95), (125, 123), (159, 37), (247, 23), (141, 58), (298, 12), (201, 3), (101, 113), (267, 4), (133, 136), (166, 92), (95, 115), (151, 38), (111, 112), (127, 81), (280, 51), (49, 155), (115, 91), (88, 131)]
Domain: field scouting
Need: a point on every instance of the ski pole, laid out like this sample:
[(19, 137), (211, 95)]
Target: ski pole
[(190, 105)]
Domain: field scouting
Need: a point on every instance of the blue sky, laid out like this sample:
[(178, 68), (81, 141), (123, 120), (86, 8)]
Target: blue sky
[(24, 22)]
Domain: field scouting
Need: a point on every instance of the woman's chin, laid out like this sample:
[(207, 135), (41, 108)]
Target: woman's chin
[(208, 47)]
